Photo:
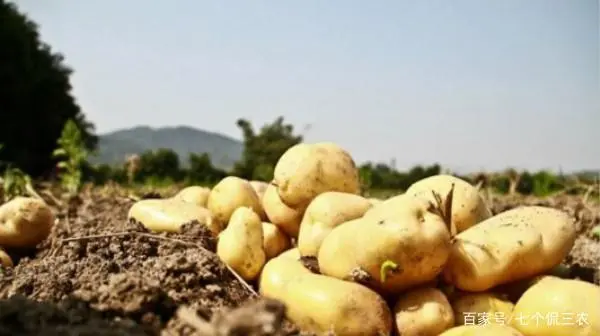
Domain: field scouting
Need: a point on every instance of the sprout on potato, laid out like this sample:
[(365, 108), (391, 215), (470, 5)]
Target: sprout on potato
[(24, 222), (468, 208)]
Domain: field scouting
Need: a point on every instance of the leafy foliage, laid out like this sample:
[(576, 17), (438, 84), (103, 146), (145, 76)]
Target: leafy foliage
[(36, 98), (72, 154)]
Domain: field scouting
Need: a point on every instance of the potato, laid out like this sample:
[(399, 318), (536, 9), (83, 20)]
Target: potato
[(482, 330), (487, 308), (374, 200), (325, 212), (274, 240), (307, 170), (388, 252), (228, 195), (278, 213), (5, 259), (320, 304), (468, 208), (389, 207), (25, 222), (259, 187), (513, 245), (240, 245), (423, 312), (557, 307), (169, 215), (194, 194)]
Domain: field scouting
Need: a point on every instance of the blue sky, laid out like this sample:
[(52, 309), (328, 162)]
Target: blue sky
[(470, 84)]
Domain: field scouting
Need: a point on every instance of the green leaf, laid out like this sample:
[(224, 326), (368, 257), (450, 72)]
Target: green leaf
[(596, 231)]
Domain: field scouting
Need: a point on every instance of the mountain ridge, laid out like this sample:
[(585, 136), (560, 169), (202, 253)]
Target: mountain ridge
[(115, 145)]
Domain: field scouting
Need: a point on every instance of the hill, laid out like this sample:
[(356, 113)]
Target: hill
[(113, 147)]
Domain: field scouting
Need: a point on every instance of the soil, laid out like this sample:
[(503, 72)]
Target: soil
[(98, 274)]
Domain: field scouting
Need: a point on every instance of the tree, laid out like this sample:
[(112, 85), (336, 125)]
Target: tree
[(202, 171), (263, 150), (159, 164), (35, 99)]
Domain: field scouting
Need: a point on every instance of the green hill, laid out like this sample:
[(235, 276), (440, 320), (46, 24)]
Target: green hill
[(113, 147)]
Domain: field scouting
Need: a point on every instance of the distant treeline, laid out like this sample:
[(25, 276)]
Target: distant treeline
[(163, 166)]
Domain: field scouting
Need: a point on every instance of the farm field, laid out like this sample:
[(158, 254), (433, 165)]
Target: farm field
[(100, 274)]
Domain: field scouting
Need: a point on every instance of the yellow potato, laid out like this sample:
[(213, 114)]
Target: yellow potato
[(275, 241), (228, 195), (423, 312), (194, 194), (374, 200), (468, 208), (320, 304), (24, 222), (482, 330), (325, 212), (169, 215), (240, 245), (307, 170), (5, 259), (388, 252), (558, 307), (259, 187), (389, 207), (278, 213), (483, 308), (513, 245)]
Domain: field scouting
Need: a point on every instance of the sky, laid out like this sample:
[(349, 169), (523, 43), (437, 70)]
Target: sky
[(469, 84)]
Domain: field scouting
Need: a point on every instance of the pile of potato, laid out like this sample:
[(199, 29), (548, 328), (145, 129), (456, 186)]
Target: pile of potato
[(431, 261), (24, 223)]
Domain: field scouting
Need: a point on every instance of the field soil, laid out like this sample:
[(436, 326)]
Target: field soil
[(98, 274)]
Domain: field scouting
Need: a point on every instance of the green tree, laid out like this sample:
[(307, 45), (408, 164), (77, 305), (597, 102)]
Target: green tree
[(35, 99), (262, 150), (202, 171), (160, 164)]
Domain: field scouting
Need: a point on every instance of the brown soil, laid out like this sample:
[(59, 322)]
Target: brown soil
[(99, 274)]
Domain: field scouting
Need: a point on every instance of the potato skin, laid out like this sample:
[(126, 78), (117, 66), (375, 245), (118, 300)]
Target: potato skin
[(169, 215), (320, 304), (275, 241), (567, 299), (423, 312), (513, 245), (468, 208), (482, 330), (259, 187), (25, 222), (240, 245), (414, 238), (5, 259), (278, 213), (194, 194), (307, 170), (229, 194), (471, 306), (325, 212)]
